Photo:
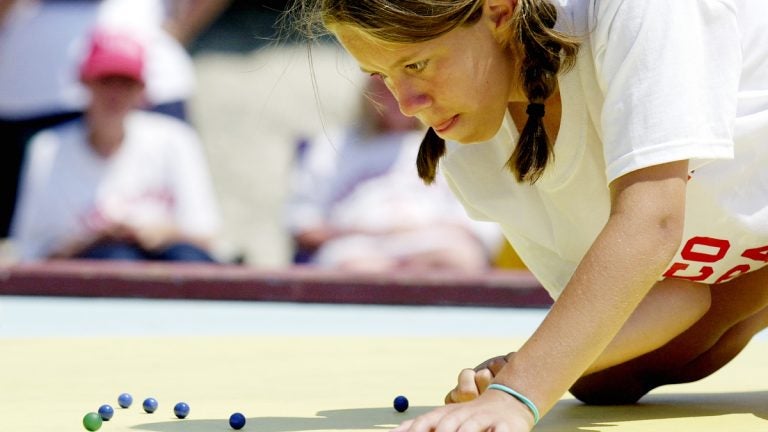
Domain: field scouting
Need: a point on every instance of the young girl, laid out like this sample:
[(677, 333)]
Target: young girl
[(621, 145)]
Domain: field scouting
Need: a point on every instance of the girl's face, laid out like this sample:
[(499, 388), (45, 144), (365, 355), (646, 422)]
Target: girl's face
[(459, 83), (115, 95)]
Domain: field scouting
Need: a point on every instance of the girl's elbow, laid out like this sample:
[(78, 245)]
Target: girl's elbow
[(669, 232)]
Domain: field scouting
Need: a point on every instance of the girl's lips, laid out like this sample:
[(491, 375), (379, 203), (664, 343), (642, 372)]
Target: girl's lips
[(444, 126)]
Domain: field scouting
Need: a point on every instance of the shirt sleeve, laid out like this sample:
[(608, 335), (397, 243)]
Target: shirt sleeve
[(669, 71)]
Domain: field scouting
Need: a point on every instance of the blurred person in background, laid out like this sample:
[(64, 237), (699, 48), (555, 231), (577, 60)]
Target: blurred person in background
[(42, 43), (356, 202), (119, 182)]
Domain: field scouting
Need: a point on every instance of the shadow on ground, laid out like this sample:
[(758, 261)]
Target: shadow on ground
[(567, 416), (356, 419), (571, 416)]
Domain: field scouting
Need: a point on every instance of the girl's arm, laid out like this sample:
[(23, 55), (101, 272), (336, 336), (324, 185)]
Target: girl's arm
[(641, 236)]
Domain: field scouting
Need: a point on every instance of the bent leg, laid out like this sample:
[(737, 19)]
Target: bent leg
[(739, 310)]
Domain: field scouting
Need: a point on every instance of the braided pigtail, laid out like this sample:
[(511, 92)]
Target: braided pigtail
[(432, 148), (542, 48)]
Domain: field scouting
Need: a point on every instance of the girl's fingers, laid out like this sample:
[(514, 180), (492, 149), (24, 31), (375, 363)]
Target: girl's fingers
[(466, 390), (473, 382), (495, 365), (483, 379)]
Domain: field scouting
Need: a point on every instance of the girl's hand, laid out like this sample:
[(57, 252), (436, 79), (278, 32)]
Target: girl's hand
[(473, 382), (492, 411)]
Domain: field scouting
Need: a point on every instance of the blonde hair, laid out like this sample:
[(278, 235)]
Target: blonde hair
[(544, 52)]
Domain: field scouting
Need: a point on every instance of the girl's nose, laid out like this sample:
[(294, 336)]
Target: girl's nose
[(410, 99)]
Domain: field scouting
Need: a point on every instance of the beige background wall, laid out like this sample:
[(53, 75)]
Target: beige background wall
[(250, 109)]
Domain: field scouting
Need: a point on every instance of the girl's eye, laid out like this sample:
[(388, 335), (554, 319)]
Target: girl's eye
[(378, 75), (418, 66)]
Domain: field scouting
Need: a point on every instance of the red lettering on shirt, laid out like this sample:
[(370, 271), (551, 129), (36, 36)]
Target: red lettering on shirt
[(673, 270), (732, 273), (720, 249), (706, 250), (757, 254)]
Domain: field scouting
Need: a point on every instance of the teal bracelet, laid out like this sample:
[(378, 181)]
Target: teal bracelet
[(529, 403)]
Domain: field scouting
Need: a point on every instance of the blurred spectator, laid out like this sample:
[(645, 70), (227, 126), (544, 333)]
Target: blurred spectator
[(357, 203), (43, 41), (118, 183)]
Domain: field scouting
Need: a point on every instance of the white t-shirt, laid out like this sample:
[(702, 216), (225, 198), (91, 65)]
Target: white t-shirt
[(656, 81), (43, 43), (159, 175)]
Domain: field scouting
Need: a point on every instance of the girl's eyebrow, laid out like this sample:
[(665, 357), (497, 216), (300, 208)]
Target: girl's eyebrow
[(408, 58)]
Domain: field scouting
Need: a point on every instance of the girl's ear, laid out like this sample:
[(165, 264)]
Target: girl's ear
[(498, 13)]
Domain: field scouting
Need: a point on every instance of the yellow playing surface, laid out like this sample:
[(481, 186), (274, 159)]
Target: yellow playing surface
[(346, 383)]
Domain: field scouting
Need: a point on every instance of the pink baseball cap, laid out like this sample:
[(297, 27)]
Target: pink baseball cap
[(113, 54)]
